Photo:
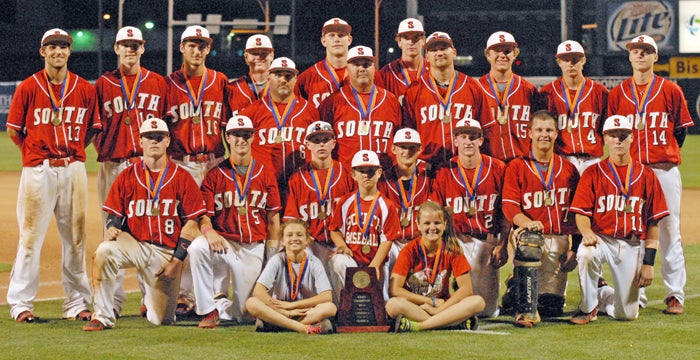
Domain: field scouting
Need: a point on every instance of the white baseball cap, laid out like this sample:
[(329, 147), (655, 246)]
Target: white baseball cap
[(360, 52), (239, 122), (129, 33), (364, 158), (410, 25), (501, 38), (465, 125), (154, 125), (336, 25), (436, 38), (407, 136), (318, 128), (283, 64), (258, 41), (196, 32), (54, 35), (617, 122), (643, 42), (570, 47)]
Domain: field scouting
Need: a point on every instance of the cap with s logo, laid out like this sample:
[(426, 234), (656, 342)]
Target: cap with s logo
[(129, 33), (360, 52), (154, 125), (569, 47), (282, 64), (336, 25), (239, 122), (364, 158), (501, 38), (617, 122), (407, 136), (410, 25), (643, 42), (56, 35), (258, 41), (466, 125), (196, 32), (319, 128), (436, 39)]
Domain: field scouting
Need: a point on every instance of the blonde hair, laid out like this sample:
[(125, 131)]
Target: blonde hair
[(295, 221), (448, 236)]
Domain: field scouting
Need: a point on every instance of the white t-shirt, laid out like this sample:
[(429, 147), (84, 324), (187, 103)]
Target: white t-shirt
[(274, 278)]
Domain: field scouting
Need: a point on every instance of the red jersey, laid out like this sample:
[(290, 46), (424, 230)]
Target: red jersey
[(178, 200), (32, 115), (289, 154), (303, 199), (665, 112), (353, 133), (319, 81), (196, 129), (524, 192), (241, 93), (511, 139), (476, 209), (396, 78), (415, 190), (384, 225), (580, 116), (224, 201), (600, 197), (119, 138), (425, 110), (418, 270)]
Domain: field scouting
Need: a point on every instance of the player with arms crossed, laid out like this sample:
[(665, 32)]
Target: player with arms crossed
[(293, 291), (420, 281), (537, 191), (660, 116), (471, 187), (618, 205), (399, 74), (154, 207), (243, 207), (53, 116), (510, 100), (250, 87)]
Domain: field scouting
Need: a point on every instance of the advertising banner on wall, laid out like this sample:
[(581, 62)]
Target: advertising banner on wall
[(626, 20), (7, 89), (689, 27)]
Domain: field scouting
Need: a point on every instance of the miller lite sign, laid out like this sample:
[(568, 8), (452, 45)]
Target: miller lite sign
[(627, 20)]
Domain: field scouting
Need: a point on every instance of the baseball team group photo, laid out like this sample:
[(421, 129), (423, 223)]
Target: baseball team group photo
[(348, 197)]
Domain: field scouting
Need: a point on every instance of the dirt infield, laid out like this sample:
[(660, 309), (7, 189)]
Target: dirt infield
[(51, 253)]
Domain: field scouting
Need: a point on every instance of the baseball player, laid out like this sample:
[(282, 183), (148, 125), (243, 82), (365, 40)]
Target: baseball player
[(420, 281), (363, 223), (248, 88), (316, 188), (293, 291), (660, 116), (52, 117), (154, 207), (510, 100), (281, 119), (537, 191), (127, 97), (198, 109), (242, 221), (365, 116), (579, 104), (399, 74), (471, 187), (328, 75), (441, 98), (618, 205)]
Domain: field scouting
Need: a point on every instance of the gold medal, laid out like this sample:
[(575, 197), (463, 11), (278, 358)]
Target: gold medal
[(56, 119), (366, 249), (241, 210), (446, 119), (322, 215), (569, 129), (404, 221), (195, 119), (155, 211), (548, 201), (502, 118), (278, 139), (471, 211), (628, 208), (364, 128), (640, 125), (127, 120)]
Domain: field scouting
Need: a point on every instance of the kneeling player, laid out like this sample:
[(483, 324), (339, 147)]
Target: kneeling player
[(293, 291), (421, 277)]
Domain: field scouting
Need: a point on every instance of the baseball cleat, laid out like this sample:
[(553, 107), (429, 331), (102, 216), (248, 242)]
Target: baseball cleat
[(582, 318), (527, 320), (84, 315), (674, 307), (26, 317), (210, 320), (143, 310), (185, 306), (94, 325)]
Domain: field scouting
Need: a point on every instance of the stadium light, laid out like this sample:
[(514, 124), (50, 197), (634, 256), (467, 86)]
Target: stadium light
[(149, 25)]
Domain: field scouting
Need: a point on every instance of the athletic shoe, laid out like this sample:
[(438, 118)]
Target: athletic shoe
[(326, 326), (209, 321), (602, 282), (472, 323), (582, 318), (259, 325), (527, 320), (143, 310), (401, 324), (185, 306), (94, 325), (26, 316), (674, 307)]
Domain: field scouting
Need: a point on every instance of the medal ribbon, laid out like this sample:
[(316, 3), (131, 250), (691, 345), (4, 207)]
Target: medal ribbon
[(152, 190), (436, 263), (190, 90), (624, 188), (358, 212), (293, 281), (405, 199), (549, 179), (407, 77), (334, 76), (471, 190), (251, 85), (242, 194), (501, 101), (364, 111), (642, 107), (129, 96), (287, 112), (55, 104), (447, 99), (322, 193), (577, 98)]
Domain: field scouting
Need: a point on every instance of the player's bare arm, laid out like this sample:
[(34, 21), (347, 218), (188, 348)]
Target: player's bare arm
[(568, 261), (583, 223), (646, 273), (378, 260), (304, 304), (523, 222), (216, 242), (499, 256), (272, 243), (170, 270), (341, 246), (17, 137), (114, 226), (261, 293)]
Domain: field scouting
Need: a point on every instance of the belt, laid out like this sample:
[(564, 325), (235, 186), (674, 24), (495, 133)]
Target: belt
[(198, 158), (61, 162), (130, 160), (666, 166)]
